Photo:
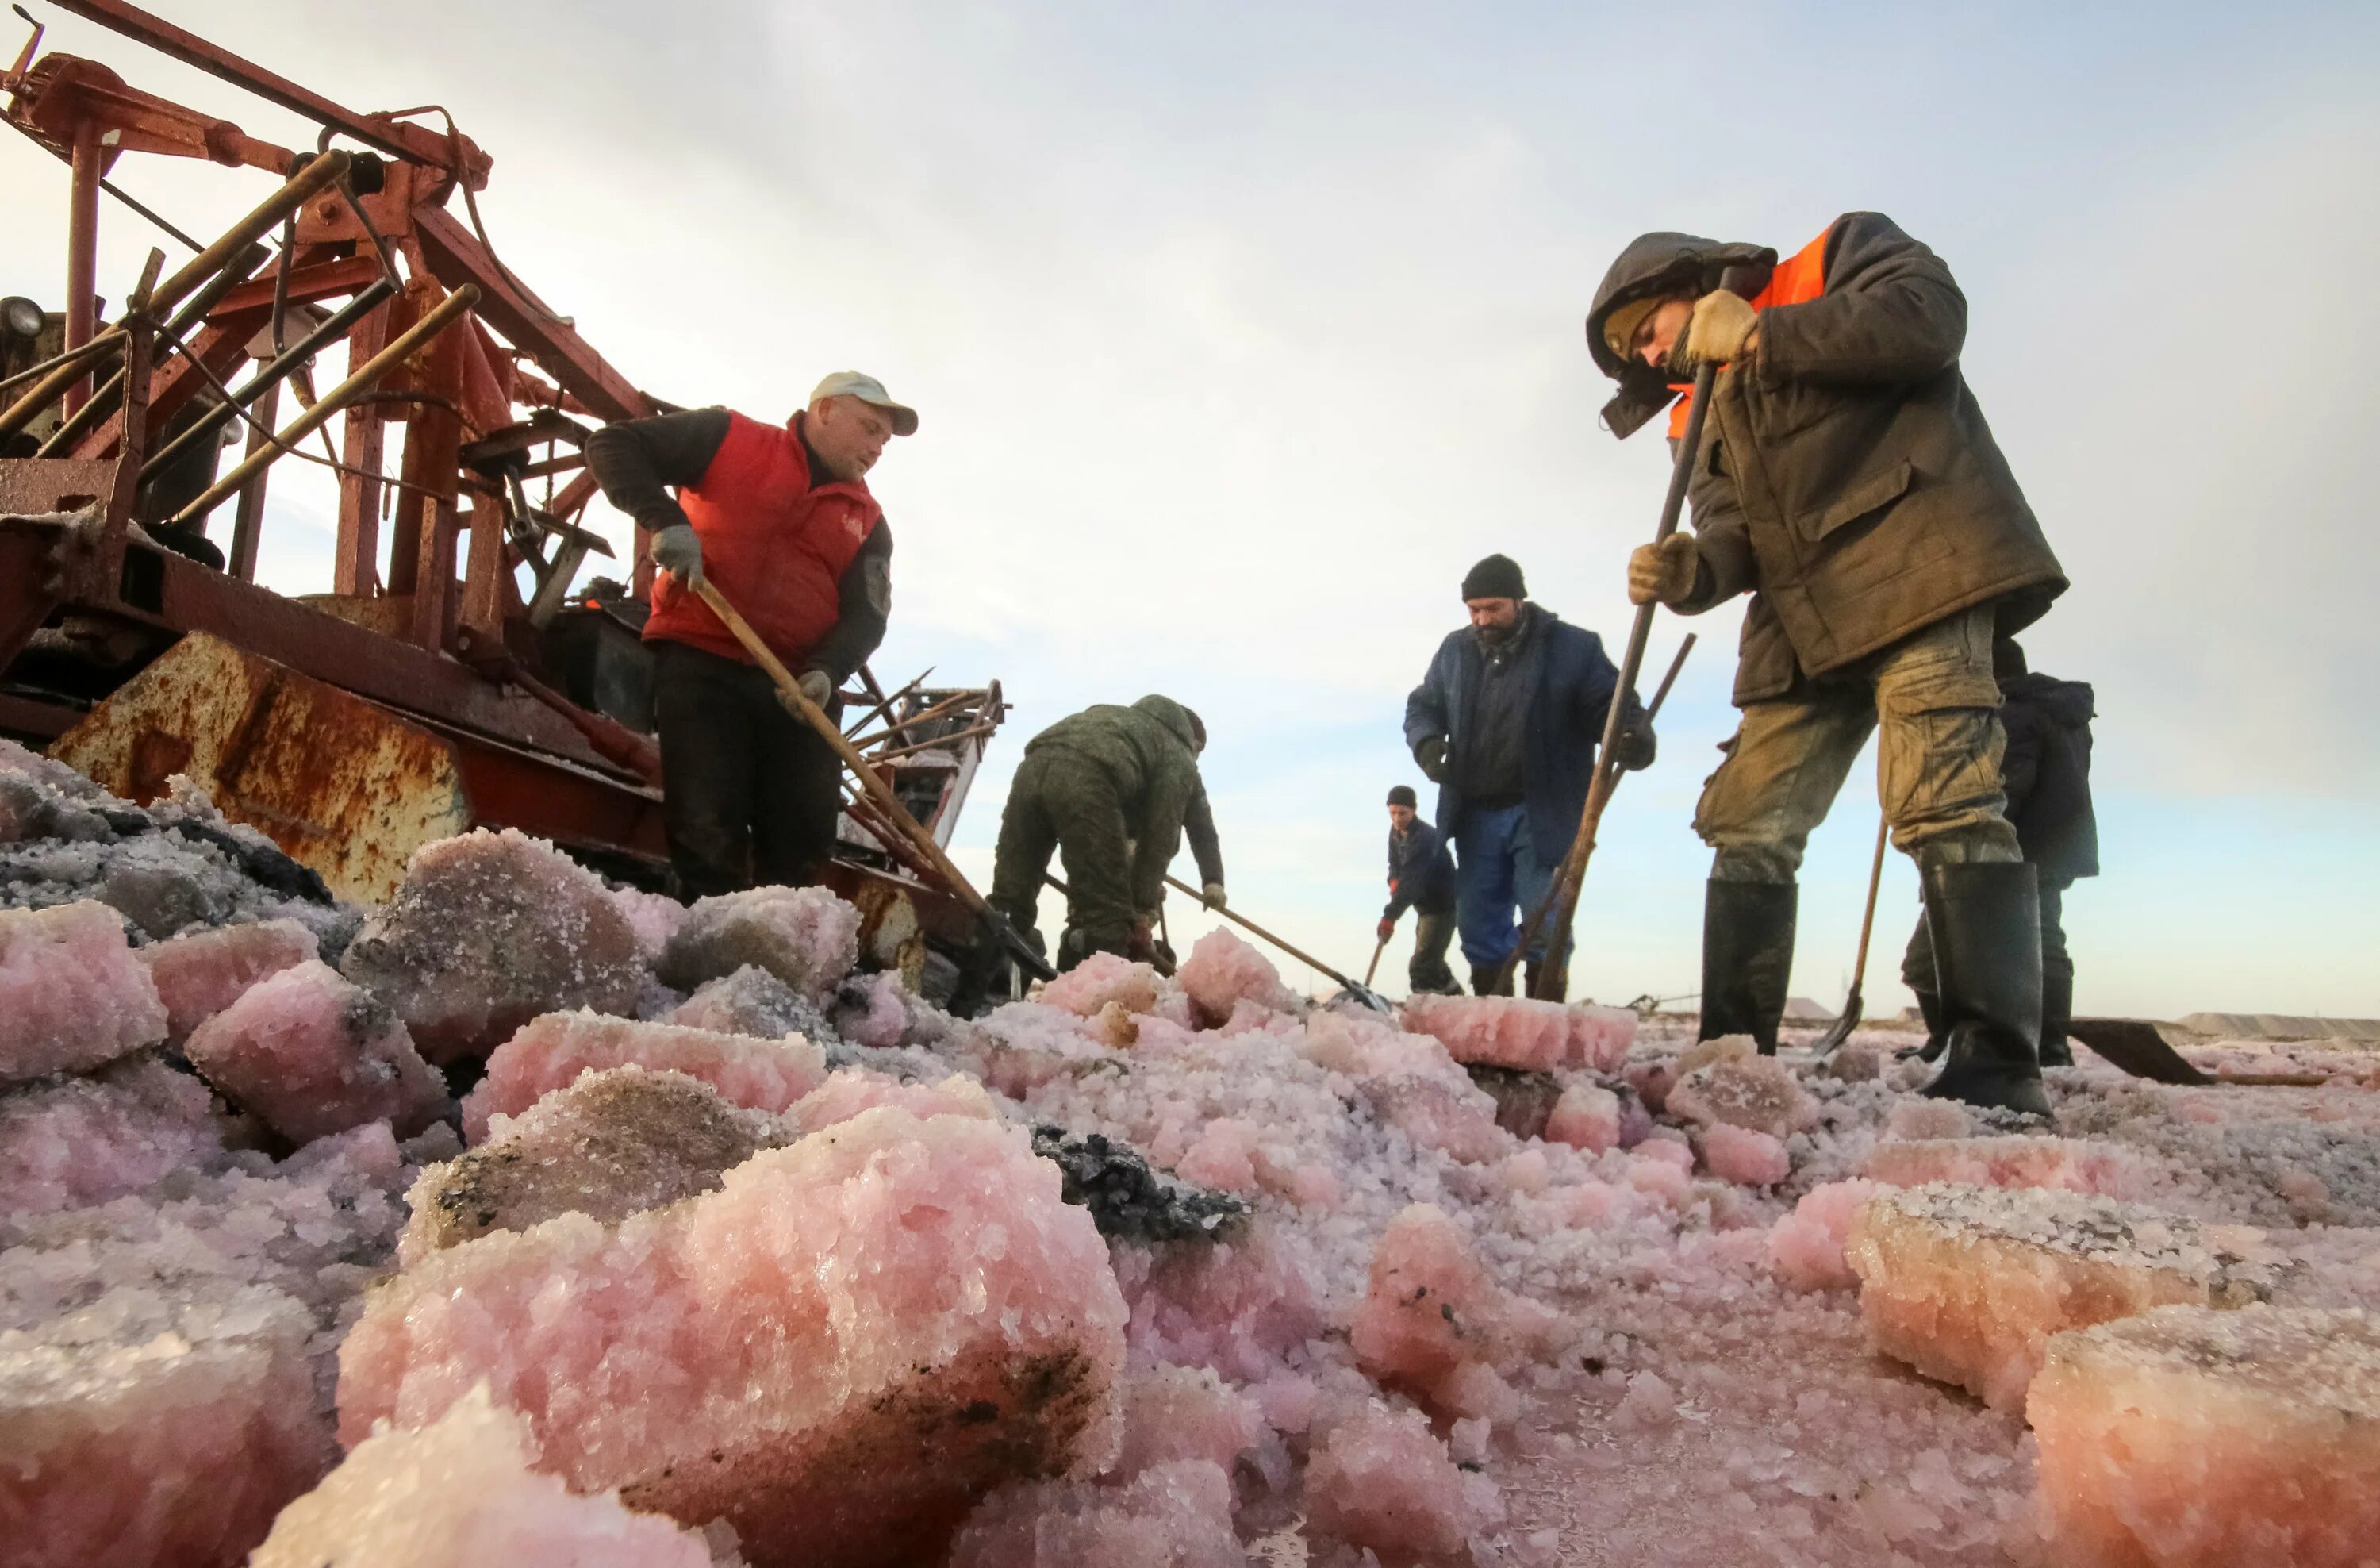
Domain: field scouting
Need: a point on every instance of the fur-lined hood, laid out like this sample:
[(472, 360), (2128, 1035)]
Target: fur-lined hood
[(1658, 264)]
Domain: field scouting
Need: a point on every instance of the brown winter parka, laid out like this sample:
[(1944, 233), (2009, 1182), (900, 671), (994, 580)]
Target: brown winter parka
[(1846, 478)]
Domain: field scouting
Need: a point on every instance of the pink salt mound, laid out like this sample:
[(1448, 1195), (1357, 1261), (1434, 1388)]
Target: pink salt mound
[(460, 1493), (654, 916), (759, 1074), (1806, 1248), (1222, 971), (1101, 978), (312, 1054), (853, 1091), (1454, 1119), (2199, 1438), (488, 930), (1758, 1092), (1383, 1482), (67, 1142), (1430, 1314), (1746, 1158), (1588, 1117), (2070, 1164), (805, 936), (72, 995), (1495, 1032), (1174, 1515), (200, 974), (1967, 1285), (143, 1431), (840, 1351)]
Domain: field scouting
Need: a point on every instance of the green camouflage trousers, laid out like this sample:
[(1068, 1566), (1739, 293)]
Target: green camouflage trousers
[(1066, 803), (1934, 701)]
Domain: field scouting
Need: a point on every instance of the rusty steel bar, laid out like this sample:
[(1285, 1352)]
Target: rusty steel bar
[(450, 310), (269, 376), (880, 758), (188, 319), (82, 251)]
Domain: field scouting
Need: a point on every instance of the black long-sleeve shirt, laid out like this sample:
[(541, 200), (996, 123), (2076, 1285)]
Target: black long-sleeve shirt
[(638, 462)]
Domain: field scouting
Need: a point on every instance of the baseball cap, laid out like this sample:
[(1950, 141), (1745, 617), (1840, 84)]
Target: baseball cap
[(867, 389)]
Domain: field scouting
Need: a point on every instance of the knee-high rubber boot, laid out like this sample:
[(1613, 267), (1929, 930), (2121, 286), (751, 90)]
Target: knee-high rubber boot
[(1747, 956), (1929, 1007), (2057, 1009), (1985, 922)]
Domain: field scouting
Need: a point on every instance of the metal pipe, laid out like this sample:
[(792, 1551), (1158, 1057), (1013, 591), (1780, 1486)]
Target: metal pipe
[(271, 374), (188, 319), (450, 310), (82, 251)]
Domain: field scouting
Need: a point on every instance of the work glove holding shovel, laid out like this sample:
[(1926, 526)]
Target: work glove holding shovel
[(815, 684), (678, 553), (1664, 573)]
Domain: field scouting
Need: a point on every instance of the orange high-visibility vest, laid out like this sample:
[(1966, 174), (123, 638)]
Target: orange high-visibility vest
[(1800, 277)]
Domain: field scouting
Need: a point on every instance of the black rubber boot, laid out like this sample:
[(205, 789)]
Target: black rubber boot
[(1985, 922), (1747, 956), (1534, 971), (2057, 1007), (1483, 980), (1929, 1007)]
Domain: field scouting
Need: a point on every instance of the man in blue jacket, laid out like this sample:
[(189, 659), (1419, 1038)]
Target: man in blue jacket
[(1421, 878), (1506, 724)]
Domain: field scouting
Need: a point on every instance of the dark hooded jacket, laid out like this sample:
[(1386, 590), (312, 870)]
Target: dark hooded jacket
[(1846, 478), (2047, 771), (1149, 752), (1421, 872)]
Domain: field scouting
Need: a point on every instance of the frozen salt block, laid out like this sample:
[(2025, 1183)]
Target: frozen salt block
[(141, 1430), (1384, 1482), (1806, 1248), (1967, 1284), (1588, 1117), (1496, 1031), (1174, 1515), (654, 916), (200, 974), (607, 1146), (1758, 1092), (2195, 1439), (751, 1002), (2070, 1164), (1103, 979), (1460, 1122), (488, 930), (312, 1054), (1429, 1309), (72, 995), (759, 1074), (68, 1143), (1171, 1414), (851, 1090), (1222, 971), (805, 936), (1746, 1158), (460, 1493), (839, 1351)]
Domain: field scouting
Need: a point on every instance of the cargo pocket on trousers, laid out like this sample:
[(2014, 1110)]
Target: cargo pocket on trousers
[(1941, 745)]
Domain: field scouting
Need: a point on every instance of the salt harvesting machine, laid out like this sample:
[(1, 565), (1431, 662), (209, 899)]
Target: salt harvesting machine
[(458, 670)]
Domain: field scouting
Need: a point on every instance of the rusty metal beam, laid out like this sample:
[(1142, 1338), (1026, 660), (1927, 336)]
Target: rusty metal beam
[(457, 257), (317, 280)]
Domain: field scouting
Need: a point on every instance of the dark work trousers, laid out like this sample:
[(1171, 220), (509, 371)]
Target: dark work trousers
[(748, 791), (1426, 971)]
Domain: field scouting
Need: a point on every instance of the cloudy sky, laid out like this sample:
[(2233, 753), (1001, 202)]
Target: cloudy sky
[(1238, 332)]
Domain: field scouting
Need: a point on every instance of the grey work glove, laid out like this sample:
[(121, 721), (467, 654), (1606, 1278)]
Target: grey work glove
[(1664, 573), (1719, 329), (1634, 748), (678, 553), (816, 684), (1213, 894), (1431, 757)]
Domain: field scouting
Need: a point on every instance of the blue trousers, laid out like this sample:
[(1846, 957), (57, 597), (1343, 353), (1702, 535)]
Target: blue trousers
[(1498, 879)]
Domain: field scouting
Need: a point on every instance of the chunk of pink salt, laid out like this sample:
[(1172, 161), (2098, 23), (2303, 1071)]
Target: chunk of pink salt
[(1495, 1032), (1967, 1285), (1746, 1158), (460, 1493), (761, 1075), (1454, 1119), (72, 995), (1382, 1481), (839, 1350), (1176, 1413), (1174, 1515), (1806, 1248), (2203, 1438), (1222, 971), (1588, 1117), (68, 1143), (1101, 978), (1599, 1036), (488, 930), (200, 974), (1429, 1310), (654, 916), (1241, 1307), (312, 1054), (851, 1090), (1758, 1092), (1364, 1045), (2068, 1164), (882, 1019), (805, 936), (1223, 1156)]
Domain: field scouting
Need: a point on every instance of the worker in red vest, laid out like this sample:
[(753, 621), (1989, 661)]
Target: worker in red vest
[(779, 518), (1846, 480)]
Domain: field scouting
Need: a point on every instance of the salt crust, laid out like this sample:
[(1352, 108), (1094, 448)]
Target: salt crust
[(200, 974), (460, 1493), (806, 937), (751, 1002), (1756, 1092), (72, 996), (2068, 1164), (1100, 980), (312, 1054), (68, 1142), (1516, 1032), (1222, 973), (761, 1075)]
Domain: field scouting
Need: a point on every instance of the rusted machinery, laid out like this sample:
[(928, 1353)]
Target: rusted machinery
[(422, 693)]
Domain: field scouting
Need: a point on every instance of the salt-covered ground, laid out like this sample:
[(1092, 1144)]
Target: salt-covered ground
[(1594, 1298)]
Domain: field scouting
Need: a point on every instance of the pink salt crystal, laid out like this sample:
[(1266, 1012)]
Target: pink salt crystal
[(1430, 1308), (67, 1143), (1660, 1178), (139, 1430), (1382, 1481), (2070, 1164), (1237, 1306), (1222, 971), (1453, 1119), (1222, 1156), (1362, 1045), (200, 974), (1652, 1080), (1474, 1392), (1022, 1045), (759, 1074), (1177, 1413), (1746, 1158), (488, 930), (1916, 1117), (1311, 1186), (1671, 1149), (1176, 1515), (1496, 1031), (1805, 1248), (885, 1018), (1967, 1285), (460, 1493), (1286, 1401), (1526, 1171), (805, 936), (2203, 1440), (72, 995), (749, 1002), (654, 916), (1599, 1036), (1758, 1092), (839, 1351), (1588, 1117), (312, 1054), (1101, 978), (850, 1091)]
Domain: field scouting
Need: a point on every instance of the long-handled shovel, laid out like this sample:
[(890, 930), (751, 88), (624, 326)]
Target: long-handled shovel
[(879, 795), (1364, 995), (1373, 966), (1841, 1028)]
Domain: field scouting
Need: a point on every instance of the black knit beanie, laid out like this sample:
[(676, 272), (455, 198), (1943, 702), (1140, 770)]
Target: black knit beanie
[(1498, 576), (1403, 795)]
